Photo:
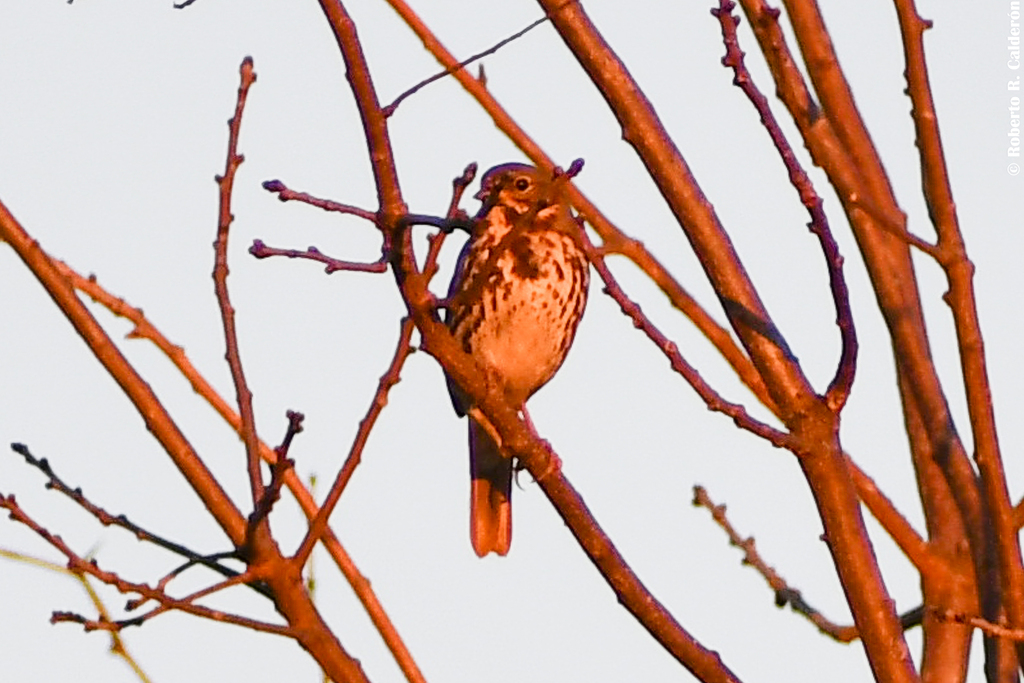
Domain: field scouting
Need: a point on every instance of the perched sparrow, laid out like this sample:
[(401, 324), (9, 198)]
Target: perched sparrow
[(518, 293)]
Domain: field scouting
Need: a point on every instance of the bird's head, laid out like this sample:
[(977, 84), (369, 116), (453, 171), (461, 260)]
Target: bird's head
[(518, 187)]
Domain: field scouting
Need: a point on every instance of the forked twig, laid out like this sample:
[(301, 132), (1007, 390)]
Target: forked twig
[(144, 329), (839, 388), (280, 467), (117, 643), (107, 519), (285, 194), (79, 564)]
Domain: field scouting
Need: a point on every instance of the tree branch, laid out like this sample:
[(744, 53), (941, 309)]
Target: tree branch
[(225, 184)]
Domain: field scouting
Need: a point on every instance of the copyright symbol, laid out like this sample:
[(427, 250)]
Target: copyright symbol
[(1013, 169)]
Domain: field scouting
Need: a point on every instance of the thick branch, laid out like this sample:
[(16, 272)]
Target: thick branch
[(156, 417), (521, 443), (960, 273), (812, 424)]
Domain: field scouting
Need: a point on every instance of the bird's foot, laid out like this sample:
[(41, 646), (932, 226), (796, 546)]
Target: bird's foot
[(554, 464)]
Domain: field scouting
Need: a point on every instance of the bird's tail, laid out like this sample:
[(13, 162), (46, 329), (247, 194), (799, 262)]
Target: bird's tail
[(490, 523)]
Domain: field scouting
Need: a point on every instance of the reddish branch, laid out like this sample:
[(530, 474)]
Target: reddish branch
[(615, 241), (145, 330), (714, 401), (261, 552), (106, 518), (390, 378), (280, 467), (784, 594), (839, 388), (380, 399), (960, 298), (261, 250), (285, 194), (158, 421), (534, 454), (225, 184), (985, 626), (812, 424), (960, 273), (838, 142)]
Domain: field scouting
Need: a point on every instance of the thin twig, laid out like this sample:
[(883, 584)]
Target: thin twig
[(261, 251), (287, 195), (117, 642), (711, 398), (220, 274), (281, 466), (159, 422), (144, 329), (391, 377), (390, 109), (839, 388), (987, 627), (784, 593), (380, 399), (77, 563), (108, 519)]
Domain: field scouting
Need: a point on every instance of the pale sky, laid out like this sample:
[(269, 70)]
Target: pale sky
[(112, 128)]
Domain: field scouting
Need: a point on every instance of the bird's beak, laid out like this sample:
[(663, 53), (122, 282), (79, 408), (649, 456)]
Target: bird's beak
[(488, 199)]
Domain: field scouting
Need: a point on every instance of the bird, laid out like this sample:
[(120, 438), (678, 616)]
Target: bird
[(514, 304)]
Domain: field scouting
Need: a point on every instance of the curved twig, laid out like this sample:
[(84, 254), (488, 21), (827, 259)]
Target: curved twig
[(839, 388)]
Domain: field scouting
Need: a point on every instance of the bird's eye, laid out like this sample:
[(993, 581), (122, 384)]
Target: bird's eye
[(522, 184)]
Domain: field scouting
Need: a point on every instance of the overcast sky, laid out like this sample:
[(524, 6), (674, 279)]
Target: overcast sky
[(112, 127)]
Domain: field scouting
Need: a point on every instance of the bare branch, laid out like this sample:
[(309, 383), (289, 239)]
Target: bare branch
[(390, 109), (839, 388), (107, 519), (784, 593), (380, 399), (157, 419), (145, 330), (78, 564), (220, 275), (287, 195), (261, 251), (989, 628), (281, 466), (961, 300), (712, 399)]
